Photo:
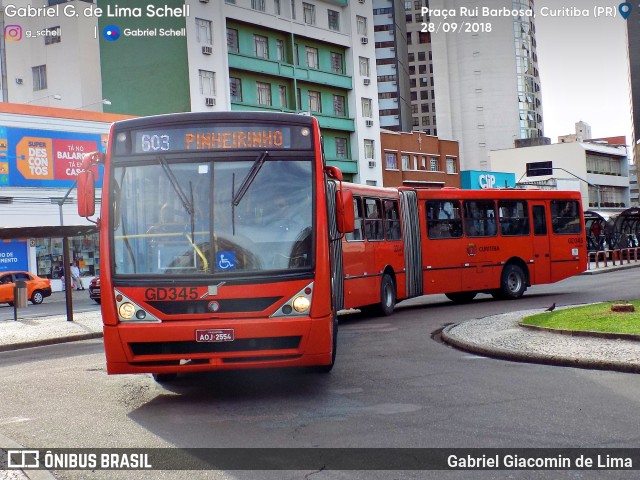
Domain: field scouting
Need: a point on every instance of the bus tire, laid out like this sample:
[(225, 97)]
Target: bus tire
[(164, 377), (387, 295), (387, 299), (513, 282), (461, 297)]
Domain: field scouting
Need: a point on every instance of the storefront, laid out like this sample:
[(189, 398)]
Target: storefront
[(41, 150)]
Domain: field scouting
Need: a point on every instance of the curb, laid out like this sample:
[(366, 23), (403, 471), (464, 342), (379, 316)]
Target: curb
[(557, 360), (584, 333), (50, 341)]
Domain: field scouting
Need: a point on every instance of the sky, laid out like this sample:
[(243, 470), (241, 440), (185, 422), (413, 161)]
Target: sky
[(583, 68)]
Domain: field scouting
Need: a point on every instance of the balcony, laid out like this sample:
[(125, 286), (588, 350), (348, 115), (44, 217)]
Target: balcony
[(286, 70)]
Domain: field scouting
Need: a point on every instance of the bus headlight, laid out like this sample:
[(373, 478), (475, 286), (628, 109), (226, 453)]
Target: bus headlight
[(127, 311), (301, 304)]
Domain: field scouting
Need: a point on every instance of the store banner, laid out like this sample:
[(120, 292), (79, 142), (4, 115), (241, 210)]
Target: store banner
[(14, 256), (45, 158)]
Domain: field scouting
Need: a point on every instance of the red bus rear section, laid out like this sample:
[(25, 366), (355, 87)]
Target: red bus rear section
[(227, 243)]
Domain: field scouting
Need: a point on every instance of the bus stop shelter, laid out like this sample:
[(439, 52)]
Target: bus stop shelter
[(63, 231)]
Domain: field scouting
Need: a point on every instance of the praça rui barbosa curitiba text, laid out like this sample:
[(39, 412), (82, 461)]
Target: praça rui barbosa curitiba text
[(444, 19), (113, 11), (555, 462)]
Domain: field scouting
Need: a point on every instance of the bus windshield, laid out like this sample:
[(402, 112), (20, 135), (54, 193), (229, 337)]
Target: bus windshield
[(177, 217)]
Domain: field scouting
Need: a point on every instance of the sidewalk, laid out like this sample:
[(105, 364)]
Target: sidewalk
[(35, 332)]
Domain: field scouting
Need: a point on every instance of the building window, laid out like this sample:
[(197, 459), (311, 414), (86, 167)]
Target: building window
[(390, 161), (338, 105), (53, 36), (263, 91), (369, 149), (276, 7), (257, 5), (312, 57), (207, 83), (405, 162), (451, 166), (362, 25), (336, 63), (235, 88), (334, 20), (39, 77), (280, 50), (309, 13), (433, 164), (293, 9), (364, 66), (282, 90), (366, 108), (341, 147), (260, 46), (315, 104), (232, 41), (203, 32)]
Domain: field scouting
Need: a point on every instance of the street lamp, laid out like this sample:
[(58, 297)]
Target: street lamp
[(55, 97), (65, 257), (104, 101)]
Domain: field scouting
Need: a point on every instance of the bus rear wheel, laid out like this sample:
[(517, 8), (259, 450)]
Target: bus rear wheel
[(461, 297), (387, 299), (513, 283)]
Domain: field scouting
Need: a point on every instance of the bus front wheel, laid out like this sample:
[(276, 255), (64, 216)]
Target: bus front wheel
[(513, 283)]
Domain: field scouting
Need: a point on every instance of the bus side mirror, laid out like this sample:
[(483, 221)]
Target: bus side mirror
[(345, 216), (86, 194)]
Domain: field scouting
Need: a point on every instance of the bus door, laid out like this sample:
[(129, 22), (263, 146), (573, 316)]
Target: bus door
[(541, 248), (442, 250), (482, 253), (360, 276)]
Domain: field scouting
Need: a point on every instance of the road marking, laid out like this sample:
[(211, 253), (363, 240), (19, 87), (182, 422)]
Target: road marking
[(7, 421)]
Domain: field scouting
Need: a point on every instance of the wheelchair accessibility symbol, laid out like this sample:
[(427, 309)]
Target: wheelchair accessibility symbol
[(226, 260)]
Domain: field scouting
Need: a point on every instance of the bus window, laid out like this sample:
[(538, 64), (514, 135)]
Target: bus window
[(514, 217), (373, 219), (539, 220), (565, 217), (480, 218), (358, 231), (391, 220), (443, 219)]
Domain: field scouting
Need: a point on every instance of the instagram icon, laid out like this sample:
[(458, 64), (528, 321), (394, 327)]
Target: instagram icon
[(13, 33)]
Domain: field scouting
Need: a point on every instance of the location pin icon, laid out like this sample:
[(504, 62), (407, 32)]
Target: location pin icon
[(625, 9)]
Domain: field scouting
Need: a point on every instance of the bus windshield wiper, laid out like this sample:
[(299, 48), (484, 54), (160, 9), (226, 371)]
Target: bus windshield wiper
[(186, 203), (248, 180)]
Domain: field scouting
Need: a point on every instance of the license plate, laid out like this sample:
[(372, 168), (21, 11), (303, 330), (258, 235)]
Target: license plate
[(217, 335)]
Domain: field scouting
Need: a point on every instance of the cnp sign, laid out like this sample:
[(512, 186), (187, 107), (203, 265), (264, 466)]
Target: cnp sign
[(487, 180)]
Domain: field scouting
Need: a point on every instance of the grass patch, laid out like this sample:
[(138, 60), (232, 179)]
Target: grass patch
[(591, 318)]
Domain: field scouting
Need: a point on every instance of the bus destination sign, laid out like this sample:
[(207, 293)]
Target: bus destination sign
[(221, 137)]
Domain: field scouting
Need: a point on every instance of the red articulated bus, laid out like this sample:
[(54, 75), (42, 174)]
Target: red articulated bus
[(215, 240), (410, 242), (227, 243)]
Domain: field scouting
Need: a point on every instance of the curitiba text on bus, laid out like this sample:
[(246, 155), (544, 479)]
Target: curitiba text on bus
[(221, 138)]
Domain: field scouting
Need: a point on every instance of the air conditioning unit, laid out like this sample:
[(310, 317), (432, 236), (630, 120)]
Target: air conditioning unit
[(364, 40), (210, 101), (369, 123), (207, 49), (372, 164), (366, 81), (19, 81)]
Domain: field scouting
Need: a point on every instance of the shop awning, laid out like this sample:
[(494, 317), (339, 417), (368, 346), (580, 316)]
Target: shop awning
[(17, 233)]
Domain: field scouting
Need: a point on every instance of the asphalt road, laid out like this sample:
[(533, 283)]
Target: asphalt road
[(393, 386)]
